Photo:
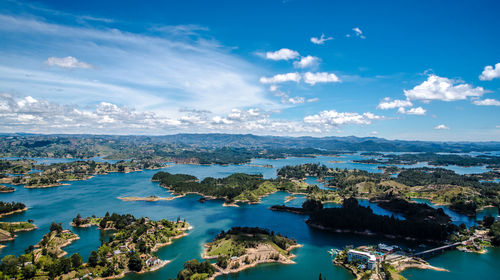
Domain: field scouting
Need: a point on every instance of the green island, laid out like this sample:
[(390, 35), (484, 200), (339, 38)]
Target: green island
[(238, 187), (51, 175), (130, 249), (8, 229), (237, 249), (5, 189), (9, 208), (16, 166)]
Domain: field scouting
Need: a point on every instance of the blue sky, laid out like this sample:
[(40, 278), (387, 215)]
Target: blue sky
[(420, 70)]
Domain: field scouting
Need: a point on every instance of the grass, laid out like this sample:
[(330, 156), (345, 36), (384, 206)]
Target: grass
[(16, 226)]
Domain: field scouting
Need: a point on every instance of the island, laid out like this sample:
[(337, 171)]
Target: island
[(238, 187), (9, 208), (237, 249), (130, 249), (5, 189), (8, 230)]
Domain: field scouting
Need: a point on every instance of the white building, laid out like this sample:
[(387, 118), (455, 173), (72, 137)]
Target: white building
[(369, 259)]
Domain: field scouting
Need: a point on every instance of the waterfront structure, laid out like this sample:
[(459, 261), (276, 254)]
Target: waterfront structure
[(358, 256)]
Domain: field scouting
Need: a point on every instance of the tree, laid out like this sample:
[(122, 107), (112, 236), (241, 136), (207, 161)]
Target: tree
[(9, 265), (64, 265), (135, 262), (56, 227), (76, 260), (93, 259), (28, 271)]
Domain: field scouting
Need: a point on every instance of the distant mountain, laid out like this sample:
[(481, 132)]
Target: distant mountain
[(249, 141)]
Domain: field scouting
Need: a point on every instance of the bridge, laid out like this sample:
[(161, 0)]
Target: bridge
[(433, 251)]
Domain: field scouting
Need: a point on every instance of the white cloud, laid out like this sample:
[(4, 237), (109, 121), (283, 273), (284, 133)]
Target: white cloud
[(490, 73), (320, 77), (68, 62), (358, 33), (311, 100), (441, 127), (281, 78), (333, 118), (321, 40), (282, 54), (387, 103), (487, 102), (412, 111), (439, 88), (306, 61)]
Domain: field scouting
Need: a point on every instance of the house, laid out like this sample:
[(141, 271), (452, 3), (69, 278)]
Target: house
[(364, 257)]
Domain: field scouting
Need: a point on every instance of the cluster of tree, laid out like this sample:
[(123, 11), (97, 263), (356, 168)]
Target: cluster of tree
[(303, 170), (117, 221), (436, 159), (6, 207), (15, 166), (352, 216), (345, 178), (255, 232), (194, 270), (425, 176), (228, 187), (24, 266), (413, 211)]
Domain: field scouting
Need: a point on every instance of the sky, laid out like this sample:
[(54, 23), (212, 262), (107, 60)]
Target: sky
[(411, 70)]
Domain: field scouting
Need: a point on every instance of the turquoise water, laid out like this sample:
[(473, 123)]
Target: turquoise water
[(99, 195)]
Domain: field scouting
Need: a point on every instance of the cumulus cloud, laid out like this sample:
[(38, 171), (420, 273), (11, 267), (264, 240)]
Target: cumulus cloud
[(68, 62), (321, 40), (333, 118), (441, 127), (320, 77), (306, 61), (487, 102), (490, 73), (440, 88), (387, 103), (282, 54), (412, 111), (281, 78)]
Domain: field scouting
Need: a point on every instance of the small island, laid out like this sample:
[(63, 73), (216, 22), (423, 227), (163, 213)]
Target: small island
[(9, 208), (5, 189), (238, 249), (8, 229)]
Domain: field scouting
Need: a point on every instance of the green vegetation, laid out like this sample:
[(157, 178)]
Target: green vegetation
[(9, 207), (194, 270), (17, 226), (413, 211), (300, 172), (51, 175), (19, 166)]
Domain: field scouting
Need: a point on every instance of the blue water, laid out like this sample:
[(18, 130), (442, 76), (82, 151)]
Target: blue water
[(99, 195)]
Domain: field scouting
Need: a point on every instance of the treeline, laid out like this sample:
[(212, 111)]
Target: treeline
[(425, 176), (354, 217), (229, 187), (6, 207), (413, 211), (303, 170), (194, 270), (347, 178)]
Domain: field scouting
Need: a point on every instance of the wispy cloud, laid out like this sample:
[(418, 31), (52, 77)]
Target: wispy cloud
[(412, 111), (306, 62), (320, 77), (487, 102), (67, 62), (441, 127), (281, 78), (321, 40)]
